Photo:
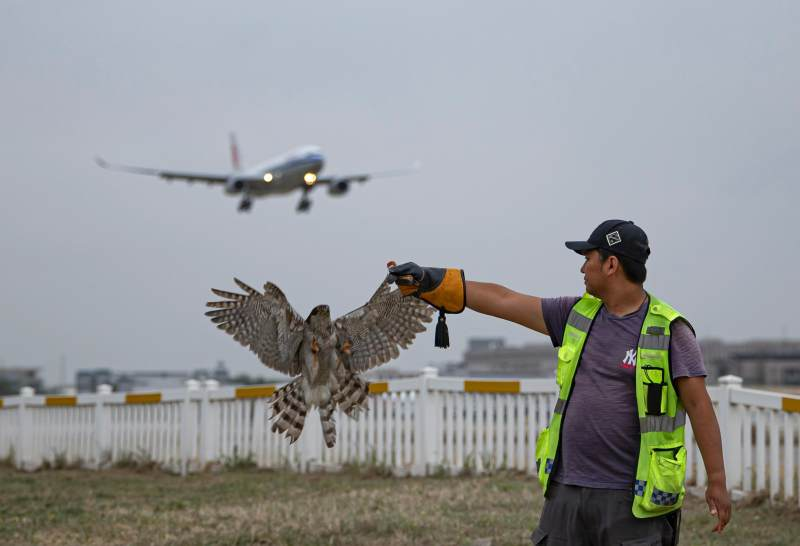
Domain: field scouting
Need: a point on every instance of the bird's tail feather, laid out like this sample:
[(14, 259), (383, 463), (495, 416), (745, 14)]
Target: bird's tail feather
[(352, 396), (289, 410), (328, 424)]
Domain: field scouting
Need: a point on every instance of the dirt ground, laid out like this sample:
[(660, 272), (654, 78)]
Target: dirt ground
[(357, 507)]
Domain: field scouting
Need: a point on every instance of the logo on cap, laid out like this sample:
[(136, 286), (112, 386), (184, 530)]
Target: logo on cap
[(613, 238)]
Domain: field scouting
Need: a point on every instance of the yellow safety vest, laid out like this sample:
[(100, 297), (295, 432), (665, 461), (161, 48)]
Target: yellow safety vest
[(661, 468)]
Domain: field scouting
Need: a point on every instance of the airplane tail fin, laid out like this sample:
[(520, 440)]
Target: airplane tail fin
[(235, 153)]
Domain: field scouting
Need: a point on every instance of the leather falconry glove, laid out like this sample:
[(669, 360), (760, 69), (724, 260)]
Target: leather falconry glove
[(445, 289)]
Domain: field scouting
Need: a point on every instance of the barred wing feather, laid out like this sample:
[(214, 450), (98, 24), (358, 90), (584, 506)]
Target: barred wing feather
[(378, 330), (264, 323)]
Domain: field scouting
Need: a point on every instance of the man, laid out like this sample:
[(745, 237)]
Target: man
[(612, 461)]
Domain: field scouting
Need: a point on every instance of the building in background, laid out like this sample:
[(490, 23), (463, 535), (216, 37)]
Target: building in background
[(491, 357), (761, 363), (758, 363), (87, 380), (386, 373), (13, 379)]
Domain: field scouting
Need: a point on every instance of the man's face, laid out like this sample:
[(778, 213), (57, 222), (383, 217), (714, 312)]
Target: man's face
[(592, 269)]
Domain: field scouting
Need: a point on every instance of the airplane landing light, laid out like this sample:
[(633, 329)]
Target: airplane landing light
[(310, 178), (268, 178)]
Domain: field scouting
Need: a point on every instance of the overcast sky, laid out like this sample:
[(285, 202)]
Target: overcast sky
[(534, 121)]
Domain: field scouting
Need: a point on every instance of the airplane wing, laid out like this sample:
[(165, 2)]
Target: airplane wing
[(339, 179), (329, 179), (208, 178)]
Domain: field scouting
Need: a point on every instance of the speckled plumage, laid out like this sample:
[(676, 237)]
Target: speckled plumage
[(322, 355)]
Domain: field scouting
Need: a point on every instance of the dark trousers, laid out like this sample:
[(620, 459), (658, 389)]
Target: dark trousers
[(582, 516)]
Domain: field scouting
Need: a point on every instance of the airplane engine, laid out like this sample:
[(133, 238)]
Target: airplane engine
[(234, 186), (339, 188)]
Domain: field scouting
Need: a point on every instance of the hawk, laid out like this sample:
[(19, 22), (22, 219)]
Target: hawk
[(324, 356)]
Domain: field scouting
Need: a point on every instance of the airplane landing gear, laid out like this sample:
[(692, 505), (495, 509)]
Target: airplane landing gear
[(245, 205), (304, 205)]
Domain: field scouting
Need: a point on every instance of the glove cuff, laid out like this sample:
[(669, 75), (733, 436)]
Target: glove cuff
[(450, 295)]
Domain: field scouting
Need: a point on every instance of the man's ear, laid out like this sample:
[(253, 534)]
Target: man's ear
[(611, 265)]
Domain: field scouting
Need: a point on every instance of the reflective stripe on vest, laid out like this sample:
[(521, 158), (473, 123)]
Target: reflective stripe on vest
[(662, 423), (651, 341), (576, 320)]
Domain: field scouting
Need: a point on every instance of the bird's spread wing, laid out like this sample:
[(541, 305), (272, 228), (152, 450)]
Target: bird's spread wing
[(264, 323), (387, 322)]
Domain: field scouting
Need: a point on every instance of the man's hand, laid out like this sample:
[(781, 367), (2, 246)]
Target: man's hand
[(409, 278), (442, 288), (719, 503)]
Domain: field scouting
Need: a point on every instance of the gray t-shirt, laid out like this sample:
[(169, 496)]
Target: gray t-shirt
[(600, 432)]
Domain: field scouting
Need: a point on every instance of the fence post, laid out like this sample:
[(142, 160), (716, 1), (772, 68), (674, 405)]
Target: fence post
[(188, 426), (421, 426), (309, 446), (207, 451), (23, 452), (427, 423), (730, 428), (102, 429)]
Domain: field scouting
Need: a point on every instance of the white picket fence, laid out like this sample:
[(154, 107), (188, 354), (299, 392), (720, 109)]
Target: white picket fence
[(414, 426)]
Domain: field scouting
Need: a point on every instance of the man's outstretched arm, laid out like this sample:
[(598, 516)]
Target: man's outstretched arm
[(448, 290), (499, 301)]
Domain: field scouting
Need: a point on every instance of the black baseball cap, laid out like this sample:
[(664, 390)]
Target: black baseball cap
[(621, 237)]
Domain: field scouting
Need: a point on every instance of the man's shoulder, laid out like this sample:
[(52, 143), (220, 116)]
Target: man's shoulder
[(555, 312), (563, 301), (558, 308), (669, 312), (663, 308)]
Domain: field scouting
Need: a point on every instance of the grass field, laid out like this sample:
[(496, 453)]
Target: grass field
[(244, 506)]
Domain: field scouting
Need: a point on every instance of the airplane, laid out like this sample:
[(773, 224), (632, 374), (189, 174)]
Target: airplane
[(298, 169)]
